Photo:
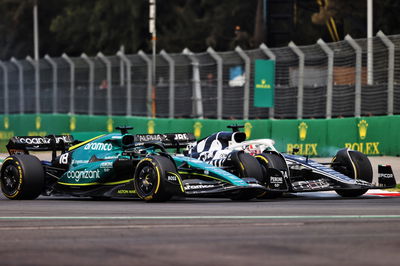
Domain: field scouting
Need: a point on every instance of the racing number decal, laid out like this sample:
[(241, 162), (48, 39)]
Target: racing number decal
[(64, 158)]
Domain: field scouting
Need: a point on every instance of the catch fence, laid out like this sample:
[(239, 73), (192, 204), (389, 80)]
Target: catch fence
[(343, 79)]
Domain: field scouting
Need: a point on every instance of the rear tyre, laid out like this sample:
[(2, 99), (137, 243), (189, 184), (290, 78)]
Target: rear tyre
[(271, 161), (22, 177), (357, 166), (151, 180)]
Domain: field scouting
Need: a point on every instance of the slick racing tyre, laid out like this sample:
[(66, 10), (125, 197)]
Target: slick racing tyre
[(22, 177), (271, 161), (246, 166), (156, 179), (353, 164)]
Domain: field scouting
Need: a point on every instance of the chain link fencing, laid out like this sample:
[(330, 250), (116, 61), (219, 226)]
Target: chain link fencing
[(324, 80)]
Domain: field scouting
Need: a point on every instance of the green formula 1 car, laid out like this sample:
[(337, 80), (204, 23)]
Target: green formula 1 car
[(118, 165)]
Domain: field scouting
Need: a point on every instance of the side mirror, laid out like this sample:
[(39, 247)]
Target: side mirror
[(295, 150)]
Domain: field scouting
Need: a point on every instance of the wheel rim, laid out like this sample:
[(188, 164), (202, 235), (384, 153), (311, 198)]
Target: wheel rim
[(147, 180), (10, 180)]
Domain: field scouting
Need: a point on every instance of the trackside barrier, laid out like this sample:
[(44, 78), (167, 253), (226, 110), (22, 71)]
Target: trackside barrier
[(314, 137)]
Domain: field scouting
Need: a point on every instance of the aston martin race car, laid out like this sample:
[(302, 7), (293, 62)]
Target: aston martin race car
[(349, 173), (116, 165)]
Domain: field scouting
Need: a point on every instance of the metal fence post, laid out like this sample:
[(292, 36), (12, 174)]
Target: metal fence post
[(358, 50), (121, 66), (329, 82), (197, 97), (171, 64), (246, 95), (91, 82), (271, 56), (55, 82), (300, 85), (72, 83), (6, 89), (390, 45), (128, 63), (21, 89), (149, 81), (219, 61), (107, 62), (35, 64)]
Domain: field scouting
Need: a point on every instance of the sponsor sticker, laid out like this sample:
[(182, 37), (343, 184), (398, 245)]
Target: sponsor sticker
[(188, 187), (181, 137), (86, 174), (382, 175), (106, 165), (41, 140), (95, 146), (126, 191), (276, 180), (171, 178), (145, 138)]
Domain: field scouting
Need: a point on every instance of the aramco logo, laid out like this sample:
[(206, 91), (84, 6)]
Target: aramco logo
[(247, 129), (150, 127), (362, 129), (303, 131), (197, 129)]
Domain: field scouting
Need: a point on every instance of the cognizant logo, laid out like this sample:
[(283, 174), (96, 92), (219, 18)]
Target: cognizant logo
[(78, 175), (98, 146)]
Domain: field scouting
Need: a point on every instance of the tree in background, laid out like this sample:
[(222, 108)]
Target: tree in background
[(16, 27), (93, 26), (197, 24), (90, 26)]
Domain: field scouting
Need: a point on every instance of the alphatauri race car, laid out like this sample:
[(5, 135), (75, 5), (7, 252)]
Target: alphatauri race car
[(118, 165), (349, 173)]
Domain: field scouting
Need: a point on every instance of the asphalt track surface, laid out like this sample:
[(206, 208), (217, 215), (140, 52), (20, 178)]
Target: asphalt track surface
[(302, 229), (298, 229)]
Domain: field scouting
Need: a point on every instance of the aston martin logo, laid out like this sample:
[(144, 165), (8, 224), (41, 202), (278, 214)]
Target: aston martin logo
[(150, 127), (72, 123), (110, 125), (247, 129), (303, 131), (38, 122), (197, 129), (362, 129)]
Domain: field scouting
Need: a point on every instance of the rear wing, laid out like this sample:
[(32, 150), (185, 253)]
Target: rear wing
[(24, 144), (169, 140)]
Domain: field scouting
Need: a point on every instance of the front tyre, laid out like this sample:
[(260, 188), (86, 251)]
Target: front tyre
[(245, 166), (22, 177), (353, 164), (271, 161), (151, 179)]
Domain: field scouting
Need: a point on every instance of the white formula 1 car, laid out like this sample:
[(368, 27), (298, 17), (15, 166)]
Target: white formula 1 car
[(349, 173)]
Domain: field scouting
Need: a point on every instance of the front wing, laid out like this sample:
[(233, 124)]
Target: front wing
[(318, 177)]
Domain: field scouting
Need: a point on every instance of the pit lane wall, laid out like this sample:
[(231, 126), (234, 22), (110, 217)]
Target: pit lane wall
[(314, 137)]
